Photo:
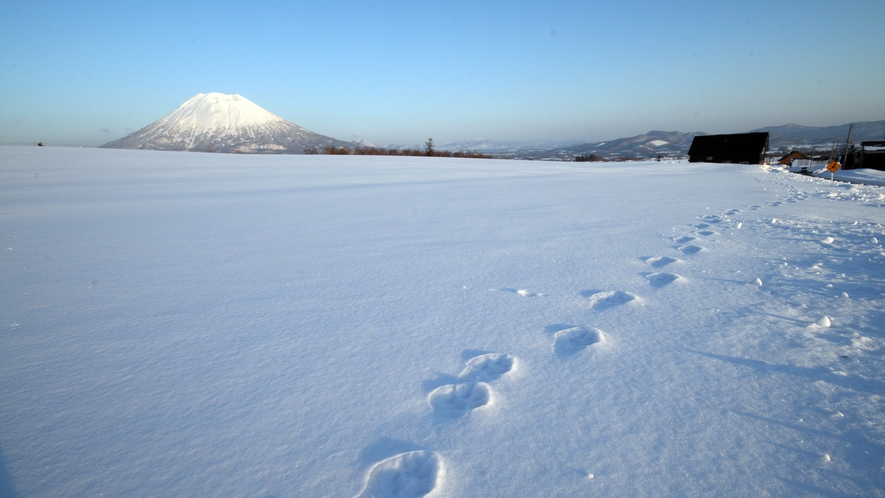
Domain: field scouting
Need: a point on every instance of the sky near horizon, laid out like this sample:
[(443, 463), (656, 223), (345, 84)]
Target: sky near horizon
[(398, 72)]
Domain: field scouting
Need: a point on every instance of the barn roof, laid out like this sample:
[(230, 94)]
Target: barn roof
[(792, 155)]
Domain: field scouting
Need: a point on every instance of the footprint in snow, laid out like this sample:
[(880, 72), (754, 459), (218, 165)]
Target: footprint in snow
[(685, 239), (488, 367), (662, 279), (660, 261), (455, 400), (609, 299), (575, 339), (732, 212), (702, 225), (691, 249), (408, 475), (470, 390), (706, 233)]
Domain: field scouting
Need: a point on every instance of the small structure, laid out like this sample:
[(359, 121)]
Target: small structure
[(741, 148), (788, 159), (870, 155)]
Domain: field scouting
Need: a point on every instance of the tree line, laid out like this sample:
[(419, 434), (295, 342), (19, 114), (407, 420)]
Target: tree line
[(429, 150)]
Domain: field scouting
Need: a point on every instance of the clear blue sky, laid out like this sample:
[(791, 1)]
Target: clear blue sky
[(398, 72)]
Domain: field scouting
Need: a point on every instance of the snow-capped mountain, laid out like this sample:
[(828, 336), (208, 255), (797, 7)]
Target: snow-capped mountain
[(216, 122), (362, 142)]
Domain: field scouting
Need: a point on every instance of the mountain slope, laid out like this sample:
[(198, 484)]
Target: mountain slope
[(673, 144), (651, 144), (217, 122), (792, 135)]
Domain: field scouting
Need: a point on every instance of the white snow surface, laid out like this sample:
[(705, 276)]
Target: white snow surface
[(865, 176), (819, 169), (180, 324)]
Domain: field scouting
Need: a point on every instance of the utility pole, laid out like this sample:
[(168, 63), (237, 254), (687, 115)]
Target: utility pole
[(847, 143)]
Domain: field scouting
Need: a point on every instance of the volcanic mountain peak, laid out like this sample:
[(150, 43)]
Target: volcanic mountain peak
[(215, 122), (207, 112)]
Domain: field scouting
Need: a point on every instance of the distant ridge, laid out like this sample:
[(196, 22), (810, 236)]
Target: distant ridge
[(217, 122), (647, 145), (675, 144), (793, 135)]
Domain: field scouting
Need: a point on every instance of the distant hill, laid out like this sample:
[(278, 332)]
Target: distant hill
[(675, 144), (792, 136), (217, 122), (651, 144)]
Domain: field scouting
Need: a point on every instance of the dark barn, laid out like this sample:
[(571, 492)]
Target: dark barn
[(741, 148), (871, 155)]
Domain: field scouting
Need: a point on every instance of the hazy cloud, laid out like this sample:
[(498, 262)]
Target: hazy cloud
[(105, 130)]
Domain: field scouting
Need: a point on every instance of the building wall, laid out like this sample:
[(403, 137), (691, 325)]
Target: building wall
[(745, 148)]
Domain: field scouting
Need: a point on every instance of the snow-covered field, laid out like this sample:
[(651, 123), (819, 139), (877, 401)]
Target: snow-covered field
[(184, 324)]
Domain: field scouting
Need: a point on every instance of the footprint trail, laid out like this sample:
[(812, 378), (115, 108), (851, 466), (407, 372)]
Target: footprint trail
[(471, 389)]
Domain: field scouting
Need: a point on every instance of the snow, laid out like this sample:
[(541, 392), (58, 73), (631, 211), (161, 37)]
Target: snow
[(819, 169), (209, 112), (184, 324), (657, 143), (216, 122), (865, 176), (364, 143)]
